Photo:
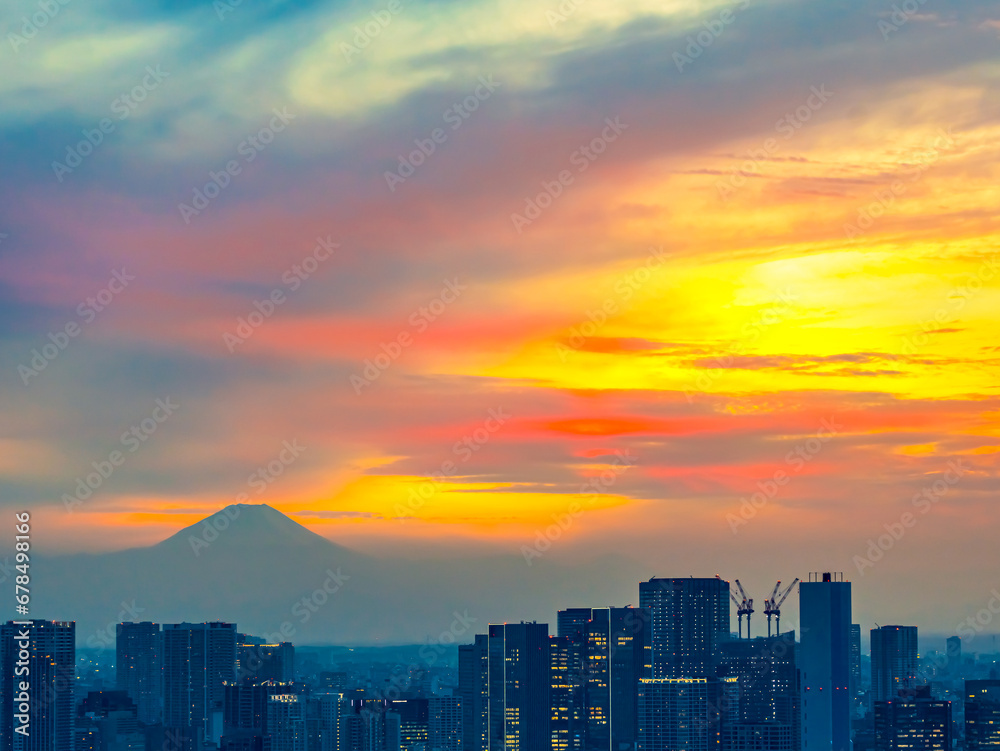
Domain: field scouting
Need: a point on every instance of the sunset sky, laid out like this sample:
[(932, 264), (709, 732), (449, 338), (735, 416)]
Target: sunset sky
[(631, 255)]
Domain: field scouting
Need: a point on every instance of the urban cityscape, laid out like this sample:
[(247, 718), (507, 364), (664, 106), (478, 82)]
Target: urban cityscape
[(666, 675)]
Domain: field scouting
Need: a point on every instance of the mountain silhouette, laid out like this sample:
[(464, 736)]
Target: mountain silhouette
[(253, 565)]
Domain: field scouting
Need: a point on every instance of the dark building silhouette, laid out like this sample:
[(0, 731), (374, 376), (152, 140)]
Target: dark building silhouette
[(824, 659), (768, 711), (894, 661), (444, 723), (855, 662), (519, 709), (198, 660), (108, 721), (138, 669), (568, 721), (47, 650), (954, 652), (690, 619), (473, 688), (982, 714), (607, 652), (913, 721), (256, 661)]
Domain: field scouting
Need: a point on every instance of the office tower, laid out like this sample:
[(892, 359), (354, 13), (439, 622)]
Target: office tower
[(265, 662), (47, 651), (108, 721), (913, 721), (519, 687), (855, 662), (138, 668), (954, 652), (393, 732), (894, 661), (767, 710), (198, 660), (568, 722), (825, 663), (330, 726), (610, 647), (690, 618), (412, 715), (982, 715), (245, 704), (444, 723), (286, 722), (683, 714), (473, 688)]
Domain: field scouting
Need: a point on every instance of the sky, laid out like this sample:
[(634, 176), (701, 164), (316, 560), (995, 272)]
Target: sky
[(713, 285)]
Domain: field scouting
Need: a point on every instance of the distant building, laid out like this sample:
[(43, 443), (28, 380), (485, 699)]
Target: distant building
[(245, 704), (894, 661), (331, 711), (108, 721), (690, 618), (954, 652), (608, 652), (48, 652), (138, 668), (683, 714), (982, 714), (768, 710), (855, 661), (444, 723), (519, 710), (198, 660), (824, 659), (265, 662), (286, 723), (913, 721), (473, 688)]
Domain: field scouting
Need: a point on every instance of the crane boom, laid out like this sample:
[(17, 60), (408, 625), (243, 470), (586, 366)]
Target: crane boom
[(784, 595)]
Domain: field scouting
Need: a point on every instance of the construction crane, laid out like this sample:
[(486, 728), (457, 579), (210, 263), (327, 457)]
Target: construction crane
[(772, 605), (746, 606), (739, 612)]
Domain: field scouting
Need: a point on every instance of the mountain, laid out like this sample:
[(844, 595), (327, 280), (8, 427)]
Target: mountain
[(255, 566)]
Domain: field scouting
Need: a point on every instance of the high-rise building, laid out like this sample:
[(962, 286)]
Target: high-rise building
[(138, 669), (331, 709), (690, 618), (108, 721), (913, 721), (43, 655), (683, 714), (954, 652), (444, 723), (286, 723), (518, 680), (768, 709), (982, 715), (413, 721), (855, 661), (894, 661), (265, 662), (605, 654), (198, 660), (245, 704), (824, 659), (473, 688)]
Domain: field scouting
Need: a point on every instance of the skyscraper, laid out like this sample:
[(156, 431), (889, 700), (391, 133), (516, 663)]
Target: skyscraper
[(265, 662), (286, 723), (519, 709), (43, 655), (914, 721), (690, 618), (567, 698), (855, 662), (768, 708), (825, 663), (198, 659), (682, 714), (473, 688), (138, 668), (608, 652), (444, 723), (982, 715), (894, 661)]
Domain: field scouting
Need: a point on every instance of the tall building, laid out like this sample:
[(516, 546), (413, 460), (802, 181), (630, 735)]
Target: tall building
[(413, 720), (825, 662), (286, 723), (855, 661), (331, 710), (198, 660), (982, 715), (768, 708), (444, 723), (518, 684), (108, 721), (683, 714), (894, 661), (607, 652), (954, 652), (473, 688), (138, 668), (913, 721), (43, 655), (690, 618), (265, 662)]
